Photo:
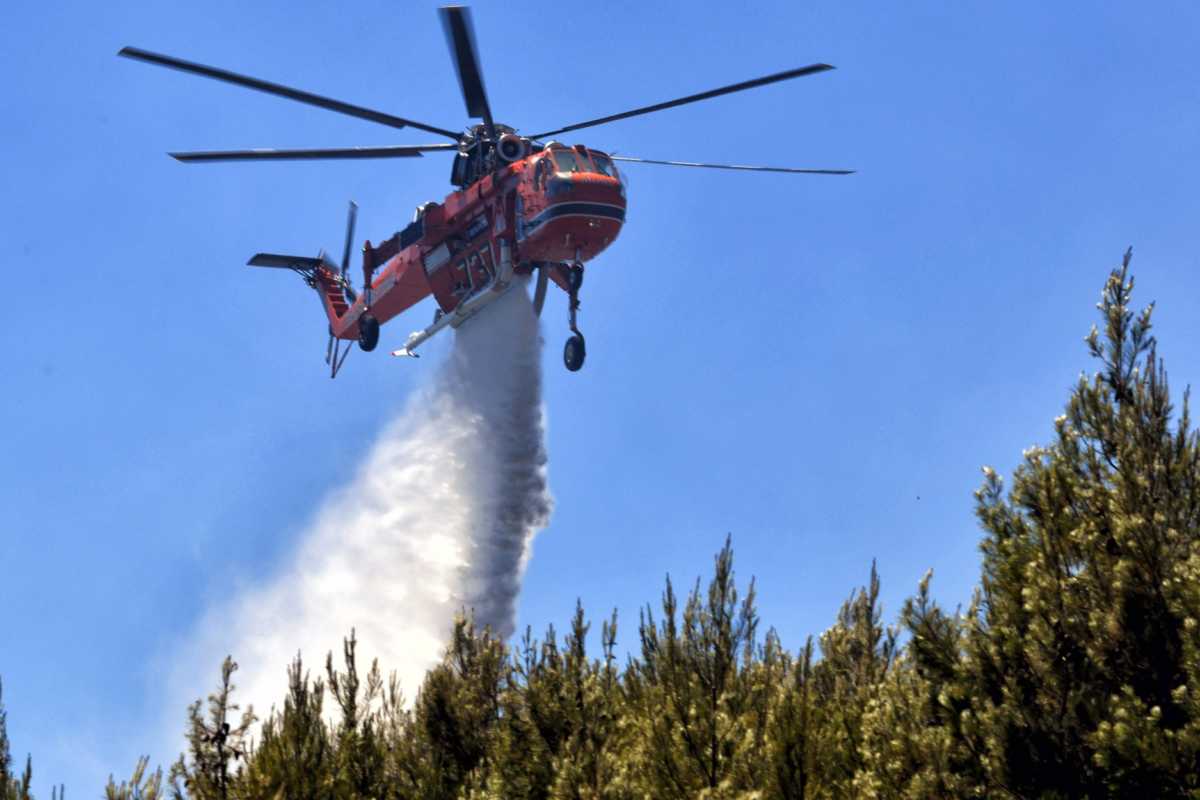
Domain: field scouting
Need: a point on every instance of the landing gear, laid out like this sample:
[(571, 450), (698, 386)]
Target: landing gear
[(574, 351), (575, 277), (368, 332)]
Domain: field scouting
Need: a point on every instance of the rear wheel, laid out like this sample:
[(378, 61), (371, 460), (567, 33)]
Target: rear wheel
[(368, 332), (574, 353)]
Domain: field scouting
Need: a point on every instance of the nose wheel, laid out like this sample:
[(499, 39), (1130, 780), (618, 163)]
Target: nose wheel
[(575, 350)]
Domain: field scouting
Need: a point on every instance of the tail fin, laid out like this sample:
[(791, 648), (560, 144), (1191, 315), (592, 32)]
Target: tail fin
[(320, 273), (332, 283)]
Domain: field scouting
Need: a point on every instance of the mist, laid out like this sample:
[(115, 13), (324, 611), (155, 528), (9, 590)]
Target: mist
[(439, 519)]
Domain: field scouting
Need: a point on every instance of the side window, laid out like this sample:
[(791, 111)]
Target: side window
[(541, 172), (603, 165)]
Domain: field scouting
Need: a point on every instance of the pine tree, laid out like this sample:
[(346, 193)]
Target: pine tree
[(214, 745), (294, 757), (535, 721), (692, 694), (140, 786), (557, 732), (1080, 658), (912, 744), (856, 656), (358, 759), (11, 786), (590, 763), (455, 714), (793, 730)]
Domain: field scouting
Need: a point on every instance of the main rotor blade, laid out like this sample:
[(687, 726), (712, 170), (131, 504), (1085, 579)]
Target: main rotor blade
[(266, 154), (811, 69), (460, 35), (283, 262), (282, 91), (735, 166)]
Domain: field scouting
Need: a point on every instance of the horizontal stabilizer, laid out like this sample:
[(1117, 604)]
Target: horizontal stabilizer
[(283, 262)]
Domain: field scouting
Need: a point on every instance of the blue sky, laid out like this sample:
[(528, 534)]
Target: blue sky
[(818, 366)]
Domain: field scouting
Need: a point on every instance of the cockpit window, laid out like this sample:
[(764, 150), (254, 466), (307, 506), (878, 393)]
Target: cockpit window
[(565, 160), (604, 164), (585, 164)]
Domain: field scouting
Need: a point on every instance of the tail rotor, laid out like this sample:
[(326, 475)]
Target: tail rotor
[(332, 357), (346, 287)]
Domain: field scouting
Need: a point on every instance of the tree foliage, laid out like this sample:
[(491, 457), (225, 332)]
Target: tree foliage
[(1074, 672)]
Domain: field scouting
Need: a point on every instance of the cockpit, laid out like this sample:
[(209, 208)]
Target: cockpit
[(564, 162), (579, 159)]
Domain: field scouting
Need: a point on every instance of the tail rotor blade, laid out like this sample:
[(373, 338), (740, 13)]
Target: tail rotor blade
[(350, 219)]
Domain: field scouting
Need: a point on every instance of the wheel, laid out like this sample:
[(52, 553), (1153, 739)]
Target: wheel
[(575, 277), (574, 352), (368, 332)]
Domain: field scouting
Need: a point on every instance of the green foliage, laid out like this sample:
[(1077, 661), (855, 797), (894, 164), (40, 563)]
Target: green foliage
[(12, 787), (294, 757), (213, 745), (1074, 672), (1082, 650), (696, 694), (357, 756), (140, 786)]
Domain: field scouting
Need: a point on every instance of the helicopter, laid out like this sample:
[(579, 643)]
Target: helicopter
[(523, 204)]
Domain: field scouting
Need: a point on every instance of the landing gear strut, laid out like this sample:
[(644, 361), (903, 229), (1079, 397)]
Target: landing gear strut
[(575, 350), (575, 277)]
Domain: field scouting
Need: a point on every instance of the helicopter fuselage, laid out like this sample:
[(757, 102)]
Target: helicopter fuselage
[(553, 208)]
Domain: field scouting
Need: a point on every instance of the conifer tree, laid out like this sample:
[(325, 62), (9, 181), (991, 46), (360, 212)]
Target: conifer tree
[(1080, 656), (793, 731), (6, 776), (912, 745), (404, 755), (556, 736), (456, 712), (213, 745), (856, 655), (535, 722), (591, 762), (11, 786), (691, 692), (140, 785), (294, 756), (358, 760)]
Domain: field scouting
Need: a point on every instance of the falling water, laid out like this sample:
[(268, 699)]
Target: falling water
[(439, 518)]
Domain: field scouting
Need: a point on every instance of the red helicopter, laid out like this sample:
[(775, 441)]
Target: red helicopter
[(523, 204)]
